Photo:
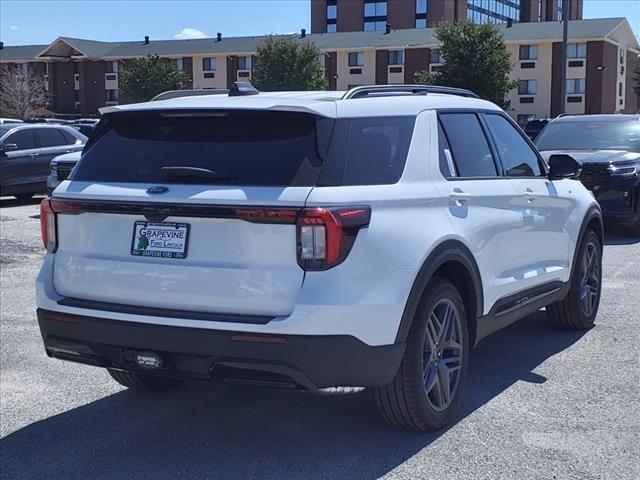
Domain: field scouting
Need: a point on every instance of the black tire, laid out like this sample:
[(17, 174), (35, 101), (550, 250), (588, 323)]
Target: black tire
[(23, 197), (406, 402), (571, 312), (140, 381)]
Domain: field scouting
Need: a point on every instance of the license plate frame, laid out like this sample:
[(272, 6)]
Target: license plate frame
[(178, 250)]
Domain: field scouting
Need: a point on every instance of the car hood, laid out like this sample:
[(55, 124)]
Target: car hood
[(595, 156), (68, 157)]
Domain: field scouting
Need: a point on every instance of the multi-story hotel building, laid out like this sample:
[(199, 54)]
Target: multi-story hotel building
[(328, 16), (82, 75)]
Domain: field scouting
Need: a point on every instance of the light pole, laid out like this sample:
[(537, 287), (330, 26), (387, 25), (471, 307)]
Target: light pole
[(563, 65)]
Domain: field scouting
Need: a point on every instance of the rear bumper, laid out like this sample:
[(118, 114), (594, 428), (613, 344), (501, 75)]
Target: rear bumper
[(294, 361)]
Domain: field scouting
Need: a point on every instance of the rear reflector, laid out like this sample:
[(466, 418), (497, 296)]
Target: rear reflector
[(48, 226), (326, 235)]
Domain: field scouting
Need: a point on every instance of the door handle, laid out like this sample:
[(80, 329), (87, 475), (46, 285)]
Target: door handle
[(529, 195), (459, 198), (33, 155)]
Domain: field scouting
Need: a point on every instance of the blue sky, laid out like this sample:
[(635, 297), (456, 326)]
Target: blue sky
[(39, 22)]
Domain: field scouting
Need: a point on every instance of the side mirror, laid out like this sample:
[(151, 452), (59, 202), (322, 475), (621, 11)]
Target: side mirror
[(8, 147), (564, 166)]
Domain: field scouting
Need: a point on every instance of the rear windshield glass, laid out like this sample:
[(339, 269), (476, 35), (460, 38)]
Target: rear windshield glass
[(368, 151), (586, 135), (236, 147)]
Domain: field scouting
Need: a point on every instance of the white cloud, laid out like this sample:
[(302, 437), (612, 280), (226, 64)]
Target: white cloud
[(189, 32), (14, 27)]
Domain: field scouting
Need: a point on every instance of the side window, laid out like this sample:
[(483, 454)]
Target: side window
[(22, 138), (50, 137), (468, 145), (447, 167), (518, 158), (70, 139)]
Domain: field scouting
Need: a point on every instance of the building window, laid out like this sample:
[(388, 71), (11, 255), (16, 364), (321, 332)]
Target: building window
[(177, 63), (46, 68), (575, 86), (332, 11), (560, 8), (356, 59), (527, 87), (111, 95), (208, 64), (396, 57), (375, 15), (620, 89), (111, 67), (244, 63), (332, 15), (493, 11), (528, 52), (576, 50), (621, 56), (421, 13), (436, 57), (322, 58)]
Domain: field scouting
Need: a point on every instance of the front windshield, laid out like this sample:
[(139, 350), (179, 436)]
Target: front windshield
[(583, 135)]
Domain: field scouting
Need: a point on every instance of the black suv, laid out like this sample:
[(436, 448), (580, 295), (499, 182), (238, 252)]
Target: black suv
[(608, 146)]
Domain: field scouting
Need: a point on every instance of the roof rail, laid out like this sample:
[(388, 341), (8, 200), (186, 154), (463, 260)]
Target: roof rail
[(384, 90)]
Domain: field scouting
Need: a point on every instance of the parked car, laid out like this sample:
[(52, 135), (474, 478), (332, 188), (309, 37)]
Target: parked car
[(85, 128), (9, 120), (61, 167), (608, 146), (54, 121), (26, 151), (534, 127), (314, 240)]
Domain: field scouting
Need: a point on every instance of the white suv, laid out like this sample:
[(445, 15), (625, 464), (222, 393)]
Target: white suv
[(313, 240)]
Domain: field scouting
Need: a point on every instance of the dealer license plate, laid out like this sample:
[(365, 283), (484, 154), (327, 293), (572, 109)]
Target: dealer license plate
[(164, 239)]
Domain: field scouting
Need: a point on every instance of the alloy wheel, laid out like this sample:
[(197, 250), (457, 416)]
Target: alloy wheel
[(590, 280), (443, 354)]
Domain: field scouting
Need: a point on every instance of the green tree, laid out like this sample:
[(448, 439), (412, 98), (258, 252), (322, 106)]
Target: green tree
[(475, 58), (148, 77), (636, 76), (285, 64)]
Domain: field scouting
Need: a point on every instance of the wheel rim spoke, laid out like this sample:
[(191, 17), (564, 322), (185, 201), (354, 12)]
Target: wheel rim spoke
[(443, 354), (590, 280)]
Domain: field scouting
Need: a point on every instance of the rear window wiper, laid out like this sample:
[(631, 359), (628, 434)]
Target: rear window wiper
[(186, 173)]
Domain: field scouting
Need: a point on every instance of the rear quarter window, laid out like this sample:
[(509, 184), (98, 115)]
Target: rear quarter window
[(368, 151)]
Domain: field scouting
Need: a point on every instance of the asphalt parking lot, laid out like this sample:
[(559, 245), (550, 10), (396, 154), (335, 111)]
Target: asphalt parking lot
[(541, 403)]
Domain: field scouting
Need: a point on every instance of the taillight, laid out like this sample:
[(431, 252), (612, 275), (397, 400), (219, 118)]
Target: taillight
[(48, 226), (326, 235)]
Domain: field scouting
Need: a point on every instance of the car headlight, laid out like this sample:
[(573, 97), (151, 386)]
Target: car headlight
[(54, 168), (626, 169)]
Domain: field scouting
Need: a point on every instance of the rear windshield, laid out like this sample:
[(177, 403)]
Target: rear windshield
[(586, 135), (238, 147), (247, 148)]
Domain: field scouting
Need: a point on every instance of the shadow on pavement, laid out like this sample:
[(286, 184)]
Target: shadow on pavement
[(224, 431), (618, 237)]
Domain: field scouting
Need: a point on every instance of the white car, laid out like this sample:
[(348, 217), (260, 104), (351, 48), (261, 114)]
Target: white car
[(313, 240)]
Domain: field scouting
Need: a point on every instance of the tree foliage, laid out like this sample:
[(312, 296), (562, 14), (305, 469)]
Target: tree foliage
[(148, 77), (636, 76), (476, 58), (22, 92), (285, 64)]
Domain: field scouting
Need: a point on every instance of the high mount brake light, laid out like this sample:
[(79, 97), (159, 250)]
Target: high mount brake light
[(48, 226), (326, 235)]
